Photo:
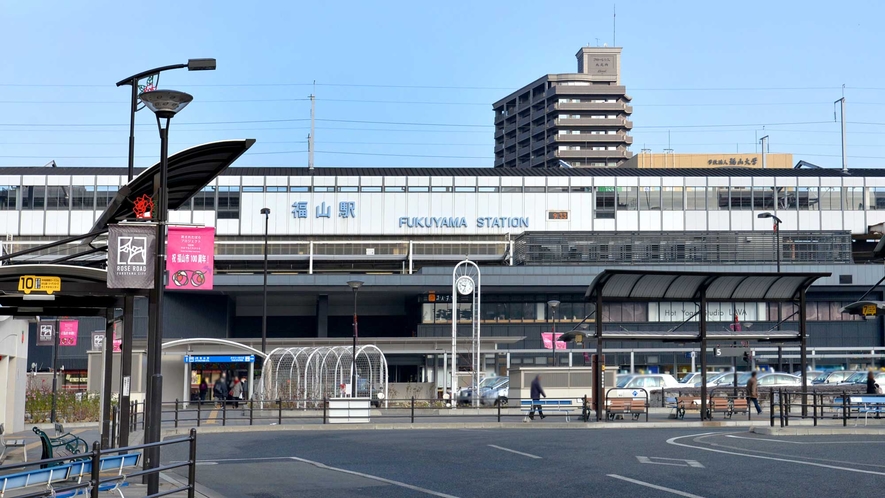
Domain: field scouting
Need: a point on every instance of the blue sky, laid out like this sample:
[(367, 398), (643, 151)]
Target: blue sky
[(427, 64)]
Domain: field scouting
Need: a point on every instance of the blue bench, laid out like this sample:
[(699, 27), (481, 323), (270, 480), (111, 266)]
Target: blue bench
[(867, 404), (72, 473), (566, 406)]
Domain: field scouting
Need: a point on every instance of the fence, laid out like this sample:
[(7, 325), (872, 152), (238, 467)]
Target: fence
[(95, 482), (823, 405)]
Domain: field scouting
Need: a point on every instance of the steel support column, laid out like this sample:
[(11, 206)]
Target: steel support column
[(803, 350), (598, 389), (126, 366), (702, 327), (107, 378)]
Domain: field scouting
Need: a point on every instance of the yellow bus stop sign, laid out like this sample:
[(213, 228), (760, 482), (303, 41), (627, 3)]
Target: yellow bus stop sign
[(868, 310), (34, 283)]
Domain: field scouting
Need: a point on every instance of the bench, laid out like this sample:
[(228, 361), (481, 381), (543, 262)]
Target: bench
[(66, 444), (618, 407), (549, 405), (685, 403), (719, 405), (10, 443), (740, 405), (867, 404), (73, 473)]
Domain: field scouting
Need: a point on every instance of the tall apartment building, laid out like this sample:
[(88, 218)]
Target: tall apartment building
[(577, 118)]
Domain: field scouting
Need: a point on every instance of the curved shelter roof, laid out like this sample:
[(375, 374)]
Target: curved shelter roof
[(660, 286), (189, 171), (84, 291)]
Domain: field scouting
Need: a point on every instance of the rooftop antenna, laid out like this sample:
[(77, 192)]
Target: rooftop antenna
[(842, 113), (597, 42), (615, 25)]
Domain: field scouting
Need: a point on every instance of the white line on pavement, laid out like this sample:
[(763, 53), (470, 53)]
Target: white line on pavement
[(514, 451), (374, 478), (787, 460), (805, 442), (655, 486)]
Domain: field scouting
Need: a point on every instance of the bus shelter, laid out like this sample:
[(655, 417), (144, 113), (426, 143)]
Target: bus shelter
[(700, 288)]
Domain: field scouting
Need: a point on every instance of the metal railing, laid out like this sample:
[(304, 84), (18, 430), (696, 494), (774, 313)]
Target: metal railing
[(828, 404), (95, 483)]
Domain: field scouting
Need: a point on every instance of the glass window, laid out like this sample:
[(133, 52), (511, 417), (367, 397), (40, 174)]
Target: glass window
[(253, 189), (741, 198), (875, 197), (8, 197), (627, 198), (418, 189), (104, 194), (763, 198), (511, 189), (33, 197), (370, 189), (465, 189), (204, 200), (649, 198), (58, 198), (831, 198), (391, 188), (534, 190), (672, 199), (605, 202), (348, 189), (440, 189), (83, 198), (808, 198), (853, 197), (299, 188), (696, 198), (228, 203), (276, 189), (323, 189), (717, 199)]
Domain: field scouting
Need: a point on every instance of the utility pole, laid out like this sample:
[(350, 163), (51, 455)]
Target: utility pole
[(842, 114), (310, 139), (764, 141)]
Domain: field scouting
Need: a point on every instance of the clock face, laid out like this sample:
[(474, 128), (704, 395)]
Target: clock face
[(464, 285)]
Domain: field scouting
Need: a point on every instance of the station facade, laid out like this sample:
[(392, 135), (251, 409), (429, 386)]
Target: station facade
[(537, 235)]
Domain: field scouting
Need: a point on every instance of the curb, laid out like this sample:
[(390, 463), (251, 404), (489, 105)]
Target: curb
[(817, 431), (73, 425)]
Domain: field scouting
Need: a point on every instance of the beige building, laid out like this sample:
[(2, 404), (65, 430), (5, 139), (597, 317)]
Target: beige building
[(735, 160)]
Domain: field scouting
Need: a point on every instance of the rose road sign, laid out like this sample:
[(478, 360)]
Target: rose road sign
[(132, 249)]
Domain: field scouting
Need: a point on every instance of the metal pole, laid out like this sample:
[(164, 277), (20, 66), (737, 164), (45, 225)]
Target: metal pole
[(107, 379), (266, 212), (53, 415), (844, 138), (764, 147), (553, 336), (598, 393), (310, 139), (126, 366), (702, 326), (803, 334), (353, 359), (133, 108), (155, 340)]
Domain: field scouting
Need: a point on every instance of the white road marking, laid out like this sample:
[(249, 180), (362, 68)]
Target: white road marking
[(787, 460), (655, 486), (681, 461), (514, 451), (374, 478), (805, 442)]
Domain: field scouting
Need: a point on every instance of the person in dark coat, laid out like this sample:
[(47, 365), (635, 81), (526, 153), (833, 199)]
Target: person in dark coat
[(220, 390), (537, 392), (871, 383), (203, 389)]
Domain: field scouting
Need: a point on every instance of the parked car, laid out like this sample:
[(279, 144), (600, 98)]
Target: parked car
[(649, 382), (832, 377), (690, 378), (771, 379), (492, 390), (861, 378), (713, 379)]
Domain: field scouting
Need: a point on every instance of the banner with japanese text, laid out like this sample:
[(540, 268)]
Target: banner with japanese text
[(547, 337), (131, 252), (67, 332), (190, 258)]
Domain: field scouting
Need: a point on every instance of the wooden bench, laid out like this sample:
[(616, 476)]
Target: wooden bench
[(618, 407), (66, 444), (867, 404), (685, 403), (52, 477), (719, 405), (10, 443), (566, 406), (740, 405)]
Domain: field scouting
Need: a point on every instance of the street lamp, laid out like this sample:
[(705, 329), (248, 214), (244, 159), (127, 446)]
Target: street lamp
[(777, 236), (165, 104), (553, 304), (355, 285), (192, 65), (266, 213)]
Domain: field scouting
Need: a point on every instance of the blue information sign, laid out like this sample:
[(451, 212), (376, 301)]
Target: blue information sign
[(219, 359)]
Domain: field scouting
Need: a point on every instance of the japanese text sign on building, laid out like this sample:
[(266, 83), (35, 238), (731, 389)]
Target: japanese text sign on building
[(190, 258), (131, 255), (219, 359), (732, 161), (34, 283), (67, 332), (45, 334), (346, 210)]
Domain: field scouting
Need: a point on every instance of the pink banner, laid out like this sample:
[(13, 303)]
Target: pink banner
[(190, 258), (67, 332), (547, 337), (118, 343)]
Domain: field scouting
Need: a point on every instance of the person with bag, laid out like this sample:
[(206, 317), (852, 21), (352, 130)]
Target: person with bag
[(537, 391), (220, 391), (236, 392)]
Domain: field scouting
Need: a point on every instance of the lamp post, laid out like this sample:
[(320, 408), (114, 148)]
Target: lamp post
[(266, 213), (777, 255), (165, 104), (553, 304), (355, 285)]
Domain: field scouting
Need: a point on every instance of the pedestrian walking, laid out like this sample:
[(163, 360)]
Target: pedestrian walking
[(536, 392), (753, 392), (872, 387), (220, 391), (236, 392), (204, 388)]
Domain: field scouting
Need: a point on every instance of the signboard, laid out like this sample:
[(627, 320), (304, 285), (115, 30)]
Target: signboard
[(45, 334), (869, 310), (67, 332), (131, 255), (190, 258), (98, 341), (716, 312), (34, 283), (547, 337), (219, 359)]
